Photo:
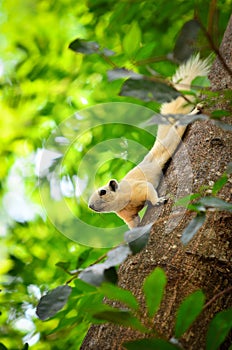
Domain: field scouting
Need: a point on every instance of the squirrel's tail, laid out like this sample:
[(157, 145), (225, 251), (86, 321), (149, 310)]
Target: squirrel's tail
[(188, 71), (182, 80), (169, 136)]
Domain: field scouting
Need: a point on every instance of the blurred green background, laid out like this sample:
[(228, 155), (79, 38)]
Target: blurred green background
[(43, 83)]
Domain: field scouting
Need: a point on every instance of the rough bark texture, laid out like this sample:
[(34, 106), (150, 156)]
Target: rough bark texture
[(205, 263)]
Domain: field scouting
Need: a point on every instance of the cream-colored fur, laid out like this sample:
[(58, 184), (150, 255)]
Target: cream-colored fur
[(127, 197)]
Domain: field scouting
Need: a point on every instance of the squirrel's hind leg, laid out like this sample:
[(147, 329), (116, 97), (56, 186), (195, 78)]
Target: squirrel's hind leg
[(134, 222)]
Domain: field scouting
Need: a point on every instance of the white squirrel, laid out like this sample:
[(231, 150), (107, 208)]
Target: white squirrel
[(127, 197)]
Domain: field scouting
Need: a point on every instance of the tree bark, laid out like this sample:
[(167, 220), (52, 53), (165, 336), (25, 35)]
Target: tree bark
[(205, 263)]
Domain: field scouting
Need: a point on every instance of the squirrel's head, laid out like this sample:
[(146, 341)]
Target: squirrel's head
[(108, 198)]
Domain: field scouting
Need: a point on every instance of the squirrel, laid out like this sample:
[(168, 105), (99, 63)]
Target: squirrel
[(127, 197)]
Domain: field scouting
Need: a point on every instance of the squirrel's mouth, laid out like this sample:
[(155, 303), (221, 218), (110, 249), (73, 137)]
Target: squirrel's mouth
[(91, 206)]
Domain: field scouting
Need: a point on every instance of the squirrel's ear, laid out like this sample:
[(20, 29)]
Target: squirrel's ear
[(113, 185)]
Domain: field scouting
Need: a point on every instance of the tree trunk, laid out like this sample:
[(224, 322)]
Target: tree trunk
[(205, 263)]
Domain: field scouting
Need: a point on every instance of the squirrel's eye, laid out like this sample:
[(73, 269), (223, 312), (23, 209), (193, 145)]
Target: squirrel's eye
[(102, 192)]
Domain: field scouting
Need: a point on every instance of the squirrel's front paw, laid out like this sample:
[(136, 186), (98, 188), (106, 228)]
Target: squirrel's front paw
[(198, 109), (161, 200)]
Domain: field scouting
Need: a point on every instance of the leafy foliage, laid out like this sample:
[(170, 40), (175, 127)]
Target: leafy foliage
[(146, 90), (97, 311), (132, 40), (188, 311), (51, 303), (154, 286), (219, 327), (120, 317), (202, 204), (186, 40), (137, 238), (90, 300), (192, 228), (119, 294)]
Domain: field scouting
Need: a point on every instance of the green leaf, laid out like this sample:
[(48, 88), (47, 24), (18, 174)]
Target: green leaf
[(93, 275), (217, 203), (153, 288), (186, 40), (122, 73), (115, 293), (200, 82), (83, 46), (145, 52), (99, 273), (192, 228), (147, 90), (219, 327), (197, 207), (52, 302), (89, 47), (120, 317), (188, 311), (106, 272), (67, 322), (185, 200), (149, 344), (64, 265), (83, 257), (219, 184), (132, 40), (117, 255), (137, 238), (91, 304), (82, 286)]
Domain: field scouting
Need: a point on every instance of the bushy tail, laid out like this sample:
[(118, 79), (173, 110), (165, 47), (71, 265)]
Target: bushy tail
[(169, 136), (181, 80), (188, 71)]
